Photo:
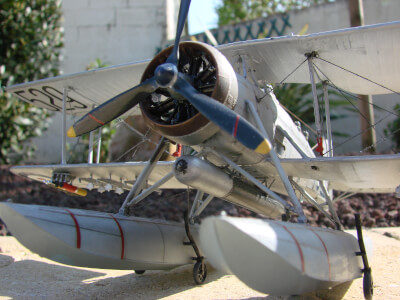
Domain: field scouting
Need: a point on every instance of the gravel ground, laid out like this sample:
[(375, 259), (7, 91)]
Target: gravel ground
[(24, 275)]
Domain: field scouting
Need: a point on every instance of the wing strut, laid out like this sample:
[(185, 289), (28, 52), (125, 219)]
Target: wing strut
[(311, 201), (289, 138), (199, 205), (332, 217), (275, 159), (328, 120), (256, 182), (64, 127), (140, 181), (98, 145), (317, 116), (90, 152), (330, 205), (148, 191)]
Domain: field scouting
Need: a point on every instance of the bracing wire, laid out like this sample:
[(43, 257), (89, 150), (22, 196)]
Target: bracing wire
[(355, 98), (343, 93), (358, 75), (286, 109), (382, 140), (340, 91), (295, 69)]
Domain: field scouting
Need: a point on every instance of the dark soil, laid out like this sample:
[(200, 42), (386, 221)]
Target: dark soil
[(377, 210)]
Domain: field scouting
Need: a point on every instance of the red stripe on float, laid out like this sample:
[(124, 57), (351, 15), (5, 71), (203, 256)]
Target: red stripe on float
[(326, 251), (236, 126), (122, 237), (78, 230), (95, 119), (298, 247)]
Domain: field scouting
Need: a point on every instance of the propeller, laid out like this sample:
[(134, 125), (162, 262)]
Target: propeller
[(112, 109), (167, 77), (183, 12), (123, 102), (223, 117)]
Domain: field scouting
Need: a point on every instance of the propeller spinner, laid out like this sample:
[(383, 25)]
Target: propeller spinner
[(167, 79)]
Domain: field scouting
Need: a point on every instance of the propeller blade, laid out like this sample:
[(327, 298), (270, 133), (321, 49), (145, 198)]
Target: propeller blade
[(223, 117), (112, 109), (183, 13)]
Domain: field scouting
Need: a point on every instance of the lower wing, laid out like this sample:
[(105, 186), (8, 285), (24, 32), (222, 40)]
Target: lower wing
[(121, 175), (362, 174)]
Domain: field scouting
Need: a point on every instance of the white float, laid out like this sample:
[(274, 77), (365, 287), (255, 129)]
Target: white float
[(280, 258), (98, 240)]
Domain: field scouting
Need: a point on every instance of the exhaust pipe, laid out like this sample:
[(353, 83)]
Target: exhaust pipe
[(204, 176)]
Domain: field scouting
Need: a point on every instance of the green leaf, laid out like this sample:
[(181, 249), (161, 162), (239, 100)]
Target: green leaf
[(30, 40)]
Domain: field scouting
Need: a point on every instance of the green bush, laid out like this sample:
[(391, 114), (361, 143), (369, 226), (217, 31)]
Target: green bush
[(30, 43), (234, 11)]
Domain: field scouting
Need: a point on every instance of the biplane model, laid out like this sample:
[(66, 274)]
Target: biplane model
[(239, 145)]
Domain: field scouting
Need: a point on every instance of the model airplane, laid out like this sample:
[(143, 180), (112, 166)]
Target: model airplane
[(240, 145)]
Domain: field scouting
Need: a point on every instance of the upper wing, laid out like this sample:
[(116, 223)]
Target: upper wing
[(369, 51), (363, 174), (118, 174), (85, 90)]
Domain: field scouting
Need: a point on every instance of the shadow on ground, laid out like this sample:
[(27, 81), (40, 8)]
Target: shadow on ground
[(32, 279)]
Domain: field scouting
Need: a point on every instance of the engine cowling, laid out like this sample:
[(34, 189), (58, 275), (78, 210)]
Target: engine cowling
[(210, 73)]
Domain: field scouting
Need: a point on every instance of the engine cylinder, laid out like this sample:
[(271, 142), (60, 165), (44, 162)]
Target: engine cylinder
[(204, 176), (208, 71)]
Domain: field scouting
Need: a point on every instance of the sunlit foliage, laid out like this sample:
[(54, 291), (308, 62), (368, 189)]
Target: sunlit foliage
[(30, 43)]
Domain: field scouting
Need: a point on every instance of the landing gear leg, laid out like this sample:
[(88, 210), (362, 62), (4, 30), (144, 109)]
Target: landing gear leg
[(368, 284), (200, 268)]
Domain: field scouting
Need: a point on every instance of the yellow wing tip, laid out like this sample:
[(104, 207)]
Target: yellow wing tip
[(264, 147), (71, 132)]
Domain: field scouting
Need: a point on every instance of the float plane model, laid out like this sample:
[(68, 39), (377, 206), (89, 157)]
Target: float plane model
[(239, 144)]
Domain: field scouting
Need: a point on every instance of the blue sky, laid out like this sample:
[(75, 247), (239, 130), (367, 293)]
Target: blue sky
[(202, 14)]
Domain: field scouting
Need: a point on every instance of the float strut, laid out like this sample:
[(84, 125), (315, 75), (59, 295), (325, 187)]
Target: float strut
[(200, 268)]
